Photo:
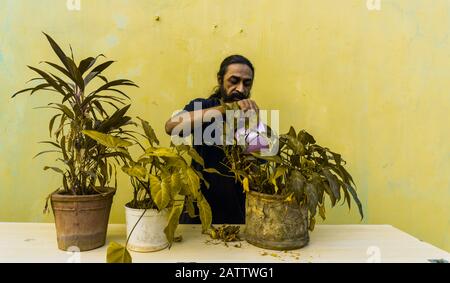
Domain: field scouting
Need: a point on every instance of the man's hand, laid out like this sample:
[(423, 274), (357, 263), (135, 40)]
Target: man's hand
[(248, 104)]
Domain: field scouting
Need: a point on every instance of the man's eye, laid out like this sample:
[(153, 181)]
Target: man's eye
[(234, 81), (248, 83)]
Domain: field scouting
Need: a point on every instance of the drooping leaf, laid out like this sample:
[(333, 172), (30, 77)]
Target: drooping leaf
[(149, 132), (245, 185), (117, 253), (296, 183), (175, 184), (356, 199), (46, 151), (192, 181), (311, 198), (205, 213), (174, 218), (194, 154), (334, 183)]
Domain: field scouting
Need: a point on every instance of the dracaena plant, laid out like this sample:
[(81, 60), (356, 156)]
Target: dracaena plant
[(301, 171), (84, 163), (161, 178)]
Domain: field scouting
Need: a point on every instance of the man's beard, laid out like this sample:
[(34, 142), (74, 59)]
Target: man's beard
[(234, 96)]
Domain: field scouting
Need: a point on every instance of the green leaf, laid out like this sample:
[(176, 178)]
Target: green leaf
[(115, 121), (61, 55), (64, 109), (174, 218), (87, 63), (292, 133), (322, 211), (192, 181), (117, 253), (296, 183), (52, 143), (175, 184), (190, 208), (160, 152), (135, 171), (46, 151), (212, 170), (311, 198), (96, 71), (334, 183), (197, 158), (22, 91), (149, 132), (205, 213), (108, 85), (312, 223), (59, 68), (160, 191), (49, 79), (356, 199), (56, 169), (106, 139), (274, 158)]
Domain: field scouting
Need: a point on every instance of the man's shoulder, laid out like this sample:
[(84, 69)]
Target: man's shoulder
[(201, 102)]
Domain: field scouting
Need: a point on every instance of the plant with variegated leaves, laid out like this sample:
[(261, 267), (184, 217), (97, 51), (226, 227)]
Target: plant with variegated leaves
[(301, 171), (85, 165), (162, 178)]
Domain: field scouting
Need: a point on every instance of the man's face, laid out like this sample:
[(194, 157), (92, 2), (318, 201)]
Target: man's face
[(237, 83)]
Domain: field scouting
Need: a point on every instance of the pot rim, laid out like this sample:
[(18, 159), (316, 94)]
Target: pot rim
[(266, 196), (56, 196)]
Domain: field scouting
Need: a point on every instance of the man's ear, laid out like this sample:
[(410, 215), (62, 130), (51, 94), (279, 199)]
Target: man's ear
[(219, 80)]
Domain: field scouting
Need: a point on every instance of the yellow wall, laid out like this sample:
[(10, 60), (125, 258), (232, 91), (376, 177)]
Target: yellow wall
[(370, 84)]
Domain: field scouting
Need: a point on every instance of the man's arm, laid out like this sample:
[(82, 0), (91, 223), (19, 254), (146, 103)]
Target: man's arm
[(193, 117), (198, 116)]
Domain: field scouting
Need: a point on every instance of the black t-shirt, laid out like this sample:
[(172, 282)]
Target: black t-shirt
[(225, 196)]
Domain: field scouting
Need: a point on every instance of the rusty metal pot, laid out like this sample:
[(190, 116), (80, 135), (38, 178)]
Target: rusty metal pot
[(273, 223)]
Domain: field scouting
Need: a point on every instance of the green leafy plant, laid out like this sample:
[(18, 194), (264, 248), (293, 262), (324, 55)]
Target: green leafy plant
[(162, 178), (85, 168), (301, 171)]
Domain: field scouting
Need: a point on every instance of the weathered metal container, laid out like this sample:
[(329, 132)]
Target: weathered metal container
[(273, 223)]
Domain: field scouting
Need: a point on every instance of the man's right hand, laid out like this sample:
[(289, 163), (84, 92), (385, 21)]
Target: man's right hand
[(248, 104)]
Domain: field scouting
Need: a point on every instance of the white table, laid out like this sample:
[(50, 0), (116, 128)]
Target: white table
[(36, 242)]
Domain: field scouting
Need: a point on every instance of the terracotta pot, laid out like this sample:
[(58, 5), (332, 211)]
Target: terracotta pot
[(82, 220), (273, 223)]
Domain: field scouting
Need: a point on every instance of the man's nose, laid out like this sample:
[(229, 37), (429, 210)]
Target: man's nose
[(240, 87)]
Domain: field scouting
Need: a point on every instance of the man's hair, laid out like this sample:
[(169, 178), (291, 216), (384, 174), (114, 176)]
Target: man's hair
[(233, 59)]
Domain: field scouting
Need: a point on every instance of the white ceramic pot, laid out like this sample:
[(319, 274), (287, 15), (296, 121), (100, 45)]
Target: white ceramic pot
[(148, 236)]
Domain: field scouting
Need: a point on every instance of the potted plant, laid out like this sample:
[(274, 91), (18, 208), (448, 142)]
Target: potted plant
[(82, 204), (163, 184), (285, 191)]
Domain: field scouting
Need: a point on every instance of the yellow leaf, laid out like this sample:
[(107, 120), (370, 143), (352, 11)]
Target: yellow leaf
[(107, 140), (205, 213), (117, 253), (245, 185), (172, 225), (160, 191)]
